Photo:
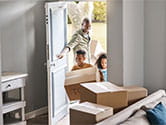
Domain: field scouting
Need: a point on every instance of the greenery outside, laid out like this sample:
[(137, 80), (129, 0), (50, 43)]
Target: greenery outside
[(99, 12), (98, 31)]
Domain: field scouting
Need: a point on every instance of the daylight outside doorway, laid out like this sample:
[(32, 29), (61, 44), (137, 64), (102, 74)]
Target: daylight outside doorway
[(96, 12)]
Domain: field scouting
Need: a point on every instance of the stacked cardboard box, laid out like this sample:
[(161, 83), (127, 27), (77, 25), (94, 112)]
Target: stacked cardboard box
[(89, 113), (135, 93), (104, 93), (97, 96), (74, 78), (109, 94), (95, 50)]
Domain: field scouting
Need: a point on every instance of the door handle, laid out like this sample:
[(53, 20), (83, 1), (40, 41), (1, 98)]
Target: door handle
[(53, 63)]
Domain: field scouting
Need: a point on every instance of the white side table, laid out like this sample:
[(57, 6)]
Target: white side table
[(12, 81)]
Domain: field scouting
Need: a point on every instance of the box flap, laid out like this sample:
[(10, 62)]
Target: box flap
[(81, 71), (102, 87), (82, 75), (91, 108)]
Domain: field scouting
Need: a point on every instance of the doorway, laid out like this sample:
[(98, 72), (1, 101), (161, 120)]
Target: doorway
[(96, 12), (58, 22)]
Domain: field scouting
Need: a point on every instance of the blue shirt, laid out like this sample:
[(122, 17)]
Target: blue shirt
[(104, 72)]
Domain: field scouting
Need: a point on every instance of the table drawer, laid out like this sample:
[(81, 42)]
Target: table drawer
[(14, 84)]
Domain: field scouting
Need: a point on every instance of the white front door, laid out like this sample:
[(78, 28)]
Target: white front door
[(56, 38)]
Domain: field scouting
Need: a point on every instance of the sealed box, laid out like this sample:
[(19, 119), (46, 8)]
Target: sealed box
[(74, 78), (95, 50), (104, 93), (89, 113), (135, 93)]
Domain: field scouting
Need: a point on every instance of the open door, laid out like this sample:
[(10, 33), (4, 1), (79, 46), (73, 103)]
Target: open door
[(56, 25)]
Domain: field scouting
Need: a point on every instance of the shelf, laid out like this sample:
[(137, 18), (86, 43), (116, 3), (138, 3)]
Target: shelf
[(11, 106), (11, 103), (7, 76), (13, 121), (9, 100), (16, 123), (11, 85)]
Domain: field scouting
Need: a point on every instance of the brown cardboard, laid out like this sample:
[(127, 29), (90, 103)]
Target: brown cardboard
[(89, 113), (104, 93), (74, 78), (95, 50), (135, 93)]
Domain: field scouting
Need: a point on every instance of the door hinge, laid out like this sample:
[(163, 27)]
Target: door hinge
[(46, 19)]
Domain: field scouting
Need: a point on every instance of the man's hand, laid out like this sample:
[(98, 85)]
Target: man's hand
[(60, 56), (63, 53)]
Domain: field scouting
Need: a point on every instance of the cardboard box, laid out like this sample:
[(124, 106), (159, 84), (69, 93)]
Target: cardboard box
[(135, 93), (89, 113), (104, 93), (95, 50), (74, 78)]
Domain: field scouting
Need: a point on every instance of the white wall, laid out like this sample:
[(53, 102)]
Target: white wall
[(139, 58), (125, 42), (22, 31), (155, 44), (115, 41), (133, 42)]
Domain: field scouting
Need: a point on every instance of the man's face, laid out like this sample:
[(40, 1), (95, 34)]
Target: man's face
[(86, 27), (104, 63), (80, 59)]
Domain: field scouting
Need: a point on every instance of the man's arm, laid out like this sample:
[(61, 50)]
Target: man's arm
[(63, 53), (73, 42)]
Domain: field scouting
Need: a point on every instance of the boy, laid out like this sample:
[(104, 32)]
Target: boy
[(80, 58)]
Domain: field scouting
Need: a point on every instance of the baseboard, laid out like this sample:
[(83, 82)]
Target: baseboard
[(35, 113)]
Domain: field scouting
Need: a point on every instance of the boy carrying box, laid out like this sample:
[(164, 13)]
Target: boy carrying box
[(80, 58)]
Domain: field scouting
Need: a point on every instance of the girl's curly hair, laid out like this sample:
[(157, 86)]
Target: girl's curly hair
[(98, 61)]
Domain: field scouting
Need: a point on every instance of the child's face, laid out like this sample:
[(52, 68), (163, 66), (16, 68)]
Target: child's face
[(104, 63), (80, 59)]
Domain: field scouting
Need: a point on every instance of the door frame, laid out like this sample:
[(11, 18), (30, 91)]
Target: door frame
[(62, 1)]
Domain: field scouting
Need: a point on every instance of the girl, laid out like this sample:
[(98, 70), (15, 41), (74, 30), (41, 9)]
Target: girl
[(102, 65)]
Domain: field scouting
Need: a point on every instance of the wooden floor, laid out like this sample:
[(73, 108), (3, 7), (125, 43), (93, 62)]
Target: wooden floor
[(43, 120), (64, 121), (39, 120)]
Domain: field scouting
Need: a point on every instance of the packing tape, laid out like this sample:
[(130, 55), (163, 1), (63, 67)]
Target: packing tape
[(92, 107), (102, 86), (112, 89)]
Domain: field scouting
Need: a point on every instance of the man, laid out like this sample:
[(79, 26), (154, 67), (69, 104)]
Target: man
[(80, 58), (80, 41)]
